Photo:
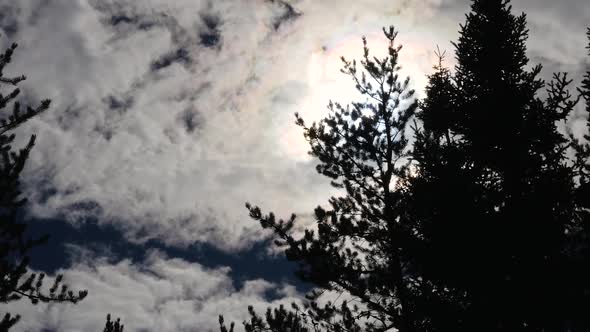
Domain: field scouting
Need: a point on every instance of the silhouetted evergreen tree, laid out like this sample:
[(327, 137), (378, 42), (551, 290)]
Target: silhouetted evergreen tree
[(579, 235), (586, 83), (363, 148), (113, 326), (278, 319), (15, 281), (481, 224), (582, 150), (495, 197)]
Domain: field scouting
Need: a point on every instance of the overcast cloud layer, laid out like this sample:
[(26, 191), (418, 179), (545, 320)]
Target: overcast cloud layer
[(168, 115)]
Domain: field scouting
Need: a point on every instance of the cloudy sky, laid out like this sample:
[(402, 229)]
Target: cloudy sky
[(168, 115)]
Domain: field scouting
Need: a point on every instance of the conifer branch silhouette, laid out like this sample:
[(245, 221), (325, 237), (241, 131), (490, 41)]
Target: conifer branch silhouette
[(16, 282)]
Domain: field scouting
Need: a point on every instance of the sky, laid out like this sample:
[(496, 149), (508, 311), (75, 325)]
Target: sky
[(168, 115)]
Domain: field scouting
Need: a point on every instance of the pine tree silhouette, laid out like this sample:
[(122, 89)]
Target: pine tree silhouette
[(363, 148), (15, 281), (113, 326), (481, 224)]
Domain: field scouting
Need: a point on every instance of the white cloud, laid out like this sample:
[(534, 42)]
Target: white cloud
[(187, 145), (160, 294), (138, 166)]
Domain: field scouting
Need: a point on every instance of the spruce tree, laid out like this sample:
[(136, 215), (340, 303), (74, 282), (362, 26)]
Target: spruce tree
[(579, 236), (584, 91), (16, 282), (495, 197)]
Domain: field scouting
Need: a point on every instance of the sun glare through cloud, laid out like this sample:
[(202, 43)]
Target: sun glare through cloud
[(326, 81)]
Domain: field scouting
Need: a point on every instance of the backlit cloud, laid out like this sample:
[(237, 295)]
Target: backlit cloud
[(168, 116)]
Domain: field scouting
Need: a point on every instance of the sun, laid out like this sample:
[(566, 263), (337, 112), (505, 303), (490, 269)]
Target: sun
[(324, 76), (326, 81)]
